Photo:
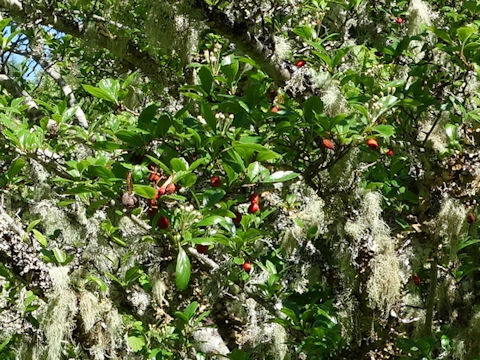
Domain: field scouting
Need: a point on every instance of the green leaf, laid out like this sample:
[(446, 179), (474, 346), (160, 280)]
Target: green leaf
[(211, 220), (111, 87), (231, 70), (33, 224), (60, 255), (42, 240), (290, 314), (159, 163), (206, 79), (280, 176), (145, 191), (179, 164), (132, 274), (465, 32), (5, 343), (384, 130), (189, 180), (255, 171), (305, 32), (451, 131), (442, 34), (130, 137), (212, 196), (386, 103), (182, 270), (467, 243), (208, 115), (146, 117), (238, 355), (267, 155), (101, 284), (15, 168), (136, 343), (191, 309), (313, 105), (98, 93)]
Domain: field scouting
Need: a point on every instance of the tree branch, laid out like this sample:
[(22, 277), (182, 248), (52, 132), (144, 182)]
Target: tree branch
[(51, 70), (244, 40), (134, 56)]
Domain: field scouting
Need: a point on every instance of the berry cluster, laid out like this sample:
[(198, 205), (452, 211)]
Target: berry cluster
[(167, 188)]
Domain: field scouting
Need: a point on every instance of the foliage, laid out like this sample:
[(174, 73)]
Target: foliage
[(136, 137)]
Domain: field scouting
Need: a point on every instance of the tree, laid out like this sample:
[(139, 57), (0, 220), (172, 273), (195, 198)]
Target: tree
[(225, 179)]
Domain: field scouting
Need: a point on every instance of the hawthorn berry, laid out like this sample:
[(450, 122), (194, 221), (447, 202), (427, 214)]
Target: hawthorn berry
[(471, 218), (160, 191), (151, 202), (154, 177), (328, 144), (216, 181), (372, 143), (301, 63), (416, 279), (254, 198), (170, 189), (163, 222), (390, 152), (399, 20), (247, 266), (253, 208), (238, 217), (202, 249)]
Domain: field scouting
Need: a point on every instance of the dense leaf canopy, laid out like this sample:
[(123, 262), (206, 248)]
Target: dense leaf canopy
[(208, 179)]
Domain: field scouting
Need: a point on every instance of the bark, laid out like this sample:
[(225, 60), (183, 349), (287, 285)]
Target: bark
[(243, 39)]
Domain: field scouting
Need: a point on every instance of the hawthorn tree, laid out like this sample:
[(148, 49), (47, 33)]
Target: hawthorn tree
[(286, 179)]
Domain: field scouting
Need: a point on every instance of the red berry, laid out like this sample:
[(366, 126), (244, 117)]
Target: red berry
[(399, 20), (390, 152), (274, 109), (160, 192), (416, 279), (237, 219), (216, 181), (154, 177), (328, 144), (471, 218), (254, 198), (253, 208), (163, 222), (202, 249), (170, 189), (247, 266), (372, 143), (151, 202), (300, 63)]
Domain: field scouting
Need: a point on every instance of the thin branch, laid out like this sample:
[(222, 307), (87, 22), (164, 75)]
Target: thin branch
[(54, 73)]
